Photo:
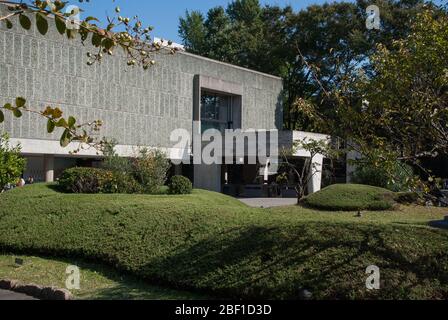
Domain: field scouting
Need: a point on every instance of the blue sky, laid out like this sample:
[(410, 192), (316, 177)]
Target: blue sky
[(164, 14)]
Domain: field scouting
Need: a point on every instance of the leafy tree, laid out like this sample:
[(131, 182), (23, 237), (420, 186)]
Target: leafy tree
[(402, 111), (333, 39), (12, 164), (305, 173), (192, 30), (397, 179)]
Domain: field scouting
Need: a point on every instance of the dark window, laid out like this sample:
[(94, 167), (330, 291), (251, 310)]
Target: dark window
[(216, 111)]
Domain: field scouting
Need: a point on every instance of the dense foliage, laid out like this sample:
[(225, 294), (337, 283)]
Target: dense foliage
[(401, 112), (350, 197), (379, 177), (180, 185), (145, 173), (12, 164), (332, 37), (95, 180), (211, 243), (150, 169)]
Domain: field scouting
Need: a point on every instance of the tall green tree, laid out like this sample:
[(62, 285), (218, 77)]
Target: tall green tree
[(401, 112), (332, 38)]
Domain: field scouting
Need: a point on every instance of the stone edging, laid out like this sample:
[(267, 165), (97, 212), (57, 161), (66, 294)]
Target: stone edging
[(36, 291)]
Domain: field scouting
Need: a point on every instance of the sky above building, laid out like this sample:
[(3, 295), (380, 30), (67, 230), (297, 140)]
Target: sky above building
[(164, 15)]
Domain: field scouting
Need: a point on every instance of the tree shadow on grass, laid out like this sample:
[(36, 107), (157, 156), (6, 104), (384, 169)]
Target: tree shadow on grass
[(277, 262)]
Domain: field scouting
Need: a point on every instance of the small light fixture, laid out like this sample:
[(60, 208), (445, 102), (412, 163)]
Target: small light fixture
[(19, 262)]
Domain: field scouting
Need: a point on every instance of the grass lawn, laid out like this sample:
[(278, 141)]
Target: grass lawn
[(97, 281), (213, 244)]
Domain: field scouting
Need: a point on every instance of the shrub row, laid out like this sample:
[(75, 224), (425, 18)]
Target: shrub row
[(95, 180), (145, 173)]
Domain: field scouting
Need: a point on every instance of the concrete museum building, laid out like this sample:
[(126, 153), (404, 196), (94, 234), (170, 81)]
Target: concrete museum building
[(137, 107)]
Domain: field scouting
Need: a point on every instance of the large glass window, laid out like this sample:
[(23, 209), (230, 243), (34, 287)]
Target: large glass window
[(216, 111)]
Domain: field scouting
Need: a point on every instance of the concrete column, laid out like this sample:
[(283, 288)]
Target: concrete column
[(49, 167), (178, 170), (207, 177), (315, 183)]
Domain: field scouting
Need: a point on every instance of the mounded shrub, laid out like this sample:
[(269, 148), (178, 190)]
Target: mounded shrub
[(150, 169), (95, 180), (351, 197), (86, 180), (180, 185), (125, 183)]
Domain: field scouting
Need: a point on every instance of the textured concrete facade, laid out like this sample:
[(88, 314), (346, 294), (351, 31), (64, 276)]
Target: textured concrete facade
[(139, 108)]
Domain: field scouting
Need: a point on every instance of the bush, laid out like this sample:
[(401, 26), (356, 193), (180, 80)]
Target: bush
[(12, 164), (150, 169), (180, 185), (87, 180), (93, 180), (351, 197), (144, 174), (113, 162), (396, 180), (407, 198), (124, 183)]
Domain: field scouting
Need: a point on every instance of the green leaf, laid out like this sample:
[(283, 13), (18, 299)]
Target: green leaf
[(8, 24), (71, 121), (2, 116), (108, 43), (96, 39), (17, 113), (62, 123), (41, 23), (91, 19), (65, 139), (20, 102), (8, 106), (50, 126), (25, 22), (60, 25), (71, 33)]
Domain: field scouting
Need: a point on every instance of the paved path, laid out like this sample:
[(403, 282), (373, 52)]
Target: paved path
[(9, 295), (268, 202)]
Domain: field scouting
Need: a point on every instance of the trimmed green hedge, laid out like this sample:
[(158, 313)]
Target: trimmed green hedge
[(94, 180), (211, 243), (180, 185), (351, 197)]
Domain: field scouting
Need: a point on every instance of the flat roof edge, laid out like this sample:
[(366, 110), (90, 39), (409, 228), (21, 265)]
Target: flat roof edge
[(229, 65)]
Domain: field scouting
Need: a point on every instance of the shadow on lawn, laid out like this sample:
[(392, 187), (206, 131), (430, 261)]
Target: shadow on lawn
[(277, 262)]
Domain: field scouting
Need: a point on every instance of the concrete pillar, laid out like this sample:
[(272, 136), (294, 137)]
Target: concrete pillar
[(178, 170), (315, 183), (207, 177), (49, 167)]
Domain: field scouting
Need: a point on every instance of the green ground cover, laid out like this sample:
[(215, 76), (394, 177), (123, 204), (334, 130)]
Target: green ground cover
[(213, 244)]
